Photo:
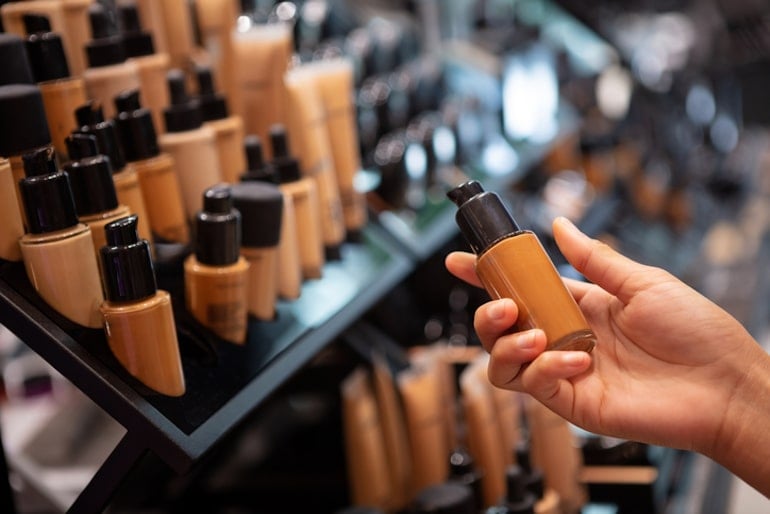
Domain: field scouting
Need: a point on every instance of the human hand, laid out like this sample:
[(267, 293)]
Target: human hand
[(667, 365)]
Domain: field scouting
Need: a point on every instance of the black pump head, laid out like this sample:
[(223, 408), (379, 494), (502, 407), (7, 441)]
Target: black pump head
[(81, 145)]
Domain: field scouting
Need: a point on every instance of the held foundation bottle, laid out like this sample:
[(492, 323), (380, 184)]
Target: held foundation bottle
[(289, 266), (511, 263), (307, 126), (260, 205), (24, 128), (109, 72), (58, 250), (90, 118), (334, 78), (216, 277), (93, 189), (228, 128), (12, 226), (156, 170), (62, 93), (192, 145), (151, 66), (138, 318), (304, 195)]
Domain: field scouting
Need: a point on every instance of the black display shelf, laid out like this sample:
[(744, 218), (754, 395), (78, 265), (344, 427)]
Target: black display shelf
[(224, 381)]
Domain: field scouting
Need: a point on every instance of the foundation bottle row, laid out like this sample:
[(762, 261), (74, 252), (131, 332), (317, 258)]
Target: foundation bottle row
[(437, 435)]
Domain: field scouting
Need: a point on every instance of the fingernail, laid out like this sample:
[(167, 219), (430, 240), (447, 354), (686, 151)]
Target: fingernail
[(526, 341), (496, 310)]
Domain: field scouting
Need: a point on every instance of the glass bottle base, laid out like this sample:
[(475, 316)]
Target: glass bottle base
[(582, 340)]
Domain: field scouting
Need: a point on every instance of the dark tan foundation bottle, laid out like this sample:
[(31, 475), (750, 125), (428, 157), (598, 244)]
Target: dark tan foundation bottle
[(216, 276), (156, 170), (62, 93), (512, 263), (138, 318)]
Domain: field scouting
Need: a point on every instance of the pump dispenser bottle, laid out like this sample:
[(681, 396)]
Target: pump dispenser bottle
[(227, 127), (93, 189), (138, 318), (306, 204), (58, 250), (511, 263), (289, 266), (108, 71), (216, 276), (156, 170), (192, 145), (90, 118), (260, 205), (151, 66), (62, 93)]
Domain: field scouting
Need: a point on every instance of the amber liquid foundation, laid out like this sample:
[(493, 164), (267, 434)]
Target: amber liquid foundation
[(10, 214), (334, 79), (216, 21), (105, 83), (289, 265), (178, 31), (151, 70), (512, 263), (216, 276), (138, 318), (307, 124), (61, 98)]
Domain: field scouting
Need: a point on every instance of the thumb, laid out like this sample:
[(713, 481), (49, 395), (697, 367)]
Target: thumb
[(595, 260)]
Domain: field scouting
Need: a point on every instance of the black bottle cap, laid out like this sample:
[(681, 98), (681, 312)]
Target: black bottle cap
[(257, 168), (218, 228), (463, 469), (127, 271), (90, 173), (517, 499), (481, 216), (23, 124), (533, 477), (286, 166), (45, 50), (135, 127), (261, 208), (184, 112), (446, 498), (106, 48), (13, 55), (389, 158), (90, 118), (47, 197), (212, 104), (137, 42)]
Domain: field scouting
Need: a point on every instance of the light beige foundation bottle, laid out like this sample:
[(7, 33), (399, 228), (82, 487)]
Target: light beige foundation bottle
[(58, 250), (216, 276), (304, 195), (93, 189), (217, 20), (24, 128), (192, 146), (13, 228), (261, 206), (109, 72), (307, 127), (62, 93), (152, 66), (156, 170), (69, 18), (91, 120), (151, 16), (228, 128), (512, 263), (289, 265), (138, 318), (262, 56), (178, 30), (334, 79)]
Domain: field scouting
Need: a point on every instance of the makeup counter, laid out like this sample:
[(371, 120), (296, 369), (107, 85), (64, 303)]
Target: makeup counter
[(288, 167)]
